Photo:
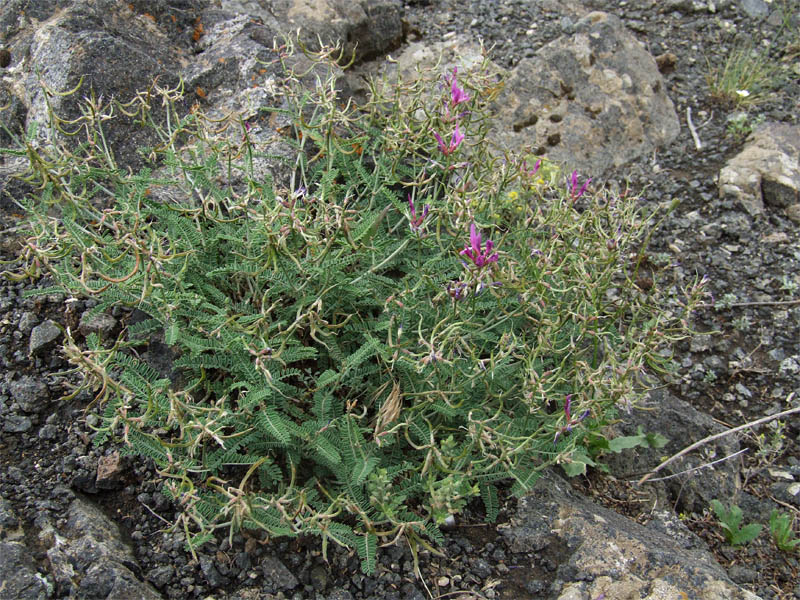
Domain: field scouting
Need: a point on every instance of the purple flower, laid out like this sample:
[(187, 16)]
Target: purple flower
[(475, 252), (457, 95), (534, 170), (416, 221), (570, 421), (573, 186), (457, 290), (457, 138)]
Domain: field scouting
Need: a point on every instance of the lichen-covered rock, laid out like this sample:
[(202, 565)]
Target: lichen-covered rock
[(598, 551), (367, 28), (681, 424), (19, 578), (100, 48), (101, 324), (89, 557), (592, 100), (766, 171)]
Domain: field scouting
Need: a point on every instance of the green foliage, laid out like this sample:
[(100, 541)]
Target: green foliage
[(341, 368), (742, 124), (745, 78), (780, 525), (730, 520)]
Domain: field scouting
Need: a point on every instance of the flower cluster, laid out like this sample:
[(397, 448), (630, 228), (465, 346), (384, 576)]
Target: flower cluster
[(479, 256), (572, 186), (457, 138), (457, 96)]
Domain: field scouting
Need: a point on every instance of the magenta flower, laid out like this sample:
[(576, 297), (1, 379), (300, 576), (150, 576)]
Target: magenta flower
[(573, 186), (570, 421), (457, 94), (479, 257), (532, 172), (416, 221), (457, 138)]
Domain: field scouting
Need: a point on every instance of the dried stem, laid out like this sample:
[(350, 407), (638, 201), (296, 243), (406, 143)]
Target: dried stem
[(716, 436)]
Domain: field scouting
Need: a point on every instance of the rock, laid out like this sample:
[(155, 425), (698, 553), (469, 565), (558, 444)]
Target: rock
[(766, 171), (368, 28), (16, 424), (111, 52), (161, 576), (31, 394), (481, 568), (90, 550), (108, 579), (596, 551), (319, 577), (9, 523), (277, 576), (593, 100), (460, 51), (101, 324), (43, 336), (754, 8), (666, 63), (48, 432), (18, 576), (93, 535), (12, 118), (210, 572), (682, 425), (793, 212), (27, 322), (109, 472), (779, 237), (788, 493)]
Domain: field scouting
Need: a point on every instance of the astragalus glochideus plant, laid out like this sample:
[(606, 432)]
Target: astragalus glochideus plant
[(413, 320)]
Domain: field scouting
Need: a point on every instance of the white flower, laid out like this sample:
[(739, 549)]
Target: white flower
[(743, 93)]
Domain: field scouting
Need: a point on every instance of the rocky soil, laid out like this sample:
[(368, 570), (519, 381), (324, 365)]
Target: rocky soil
[(745, 365)]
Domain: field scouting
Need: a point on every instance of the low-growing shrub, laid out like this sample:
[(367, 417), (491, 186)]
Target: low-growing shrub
[(412, 320)]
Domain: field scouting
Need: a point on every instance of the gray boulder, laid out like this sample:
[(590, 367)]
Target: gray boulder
[(101, 324), (592, 100), (367, 28), (687, 489), (103, 49), (766, 173)]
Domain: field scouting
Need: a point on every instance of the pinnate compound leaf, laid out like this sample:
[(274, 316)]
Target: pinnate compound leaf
[(367, 548), (274, 425), (490, 502), (327, 450), (328, 377), (525, 479), (363, 468)]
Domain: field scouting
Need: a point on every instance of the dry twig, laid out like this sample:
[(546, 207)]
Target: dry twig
[(716, 436)]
